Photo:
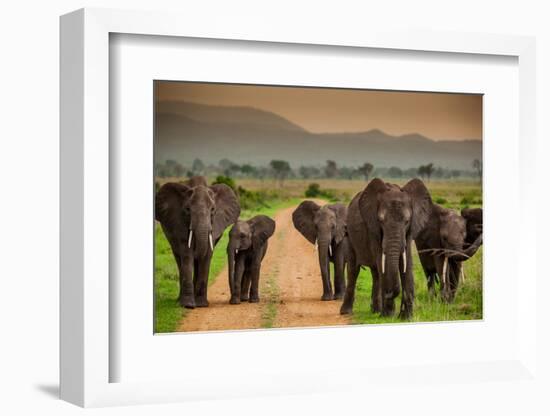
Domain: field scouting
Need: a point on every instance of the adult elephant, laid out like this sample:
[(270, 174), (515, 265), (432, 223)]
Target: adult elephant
[(445, 243), (326, 228), (382, 222), (193, 217), (245, 252)]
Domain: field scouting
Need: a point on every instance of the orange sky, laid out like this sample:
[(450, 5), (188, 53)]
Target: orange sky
[(435, 115)]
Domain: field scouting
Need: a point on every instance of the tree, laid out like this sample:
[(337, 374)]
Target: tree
[(477, 165), (347, 172), (249, 170), (365, 170), (395, 172), (304, 172), (178, 170), (455, 173), (228, 167), (307, 172), (426, 170), (429, 170), (281, 169), (198, 167), (331, 169)]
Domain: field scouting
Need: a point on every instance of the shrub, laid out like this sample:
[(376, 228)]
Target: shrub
[(251, 200), (440, 200), (225, 180), (313, 190)]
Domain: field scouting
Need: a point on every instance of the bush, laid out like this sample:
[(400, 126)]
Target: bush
[(225, 180), (251, 200), (313, 190), (440, 200)]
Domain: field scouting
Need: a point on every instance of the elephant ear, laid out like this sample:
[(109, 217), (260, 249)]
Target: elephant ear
[(227, 209), (262, 228), (368, 206), (341, 213), (303, 217), (169, 203), (474, 223), (421, 205)]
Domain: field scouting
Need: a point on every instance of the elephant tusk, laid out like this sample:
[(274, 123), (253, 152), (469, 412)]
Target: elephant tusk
[(329, 250), (462, 274), (444, 277), (190, 238), (211, 243), (383, 262), (316, 244), (237, 251), (404, 261)]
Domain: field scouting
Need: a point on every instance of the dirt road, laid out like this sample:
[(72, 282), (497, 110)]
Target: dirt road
[(290, 290)]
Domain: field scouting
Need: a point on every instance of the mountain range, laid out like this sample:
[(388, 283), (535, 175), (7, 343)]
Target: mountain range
[(185, 131)]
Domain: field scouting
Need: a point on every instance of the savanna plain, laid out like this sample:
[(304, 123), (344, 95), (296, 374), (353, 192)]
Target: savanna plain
[(290, 282)]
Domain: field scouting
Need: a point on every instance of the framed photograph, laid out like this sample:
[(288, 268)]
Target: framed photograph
[(246, 215)]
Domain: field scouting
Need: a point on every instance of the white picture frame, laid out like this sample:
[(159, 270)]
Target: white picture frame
[(86, 354)]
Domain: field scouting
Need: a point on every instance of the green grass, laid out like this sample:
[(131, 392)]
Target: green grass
[(467, 305), (167, 311), (270, 290)]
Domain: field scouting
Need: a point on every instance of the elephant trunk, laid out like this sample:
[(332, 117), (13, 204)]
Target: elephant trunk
[(323, 249), (472, 249), (461, 254), (202, 234), (231, 252), (391, 256)]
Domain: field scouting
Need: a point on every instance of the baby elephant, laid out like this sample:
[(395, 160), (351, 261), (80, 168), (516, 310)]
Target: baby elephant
[(326, 228), (245, 251), (448, 240)]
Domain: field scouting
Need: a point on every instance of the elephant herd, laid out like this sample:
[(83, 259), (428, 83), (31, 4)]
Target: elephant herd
[(375, 230)]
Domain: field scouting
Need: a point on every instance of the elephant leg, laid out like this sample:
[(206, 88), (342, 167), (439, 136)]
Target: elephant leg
[(407, 290), (245, 287), (339, 278), (201, 296), (187, 291), (196, 284), (376, 294), (431, 277), (175, 247), (254, 273), (239, 280), (178, 262), (454, 278), (349, 296)]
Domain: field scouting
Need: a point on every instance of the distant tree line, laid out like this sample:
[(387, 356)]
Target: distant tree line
[(280, 170)]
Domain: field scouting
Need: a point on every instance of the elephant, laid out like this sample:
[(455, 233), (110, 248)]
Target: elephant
[(245, 251), (445, 243), (382, 222), (193, 217), (326, 228), (474, 223)]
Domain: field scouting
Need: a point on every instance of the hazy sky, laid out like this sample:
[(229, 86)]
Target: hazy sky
[(437, 116)]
